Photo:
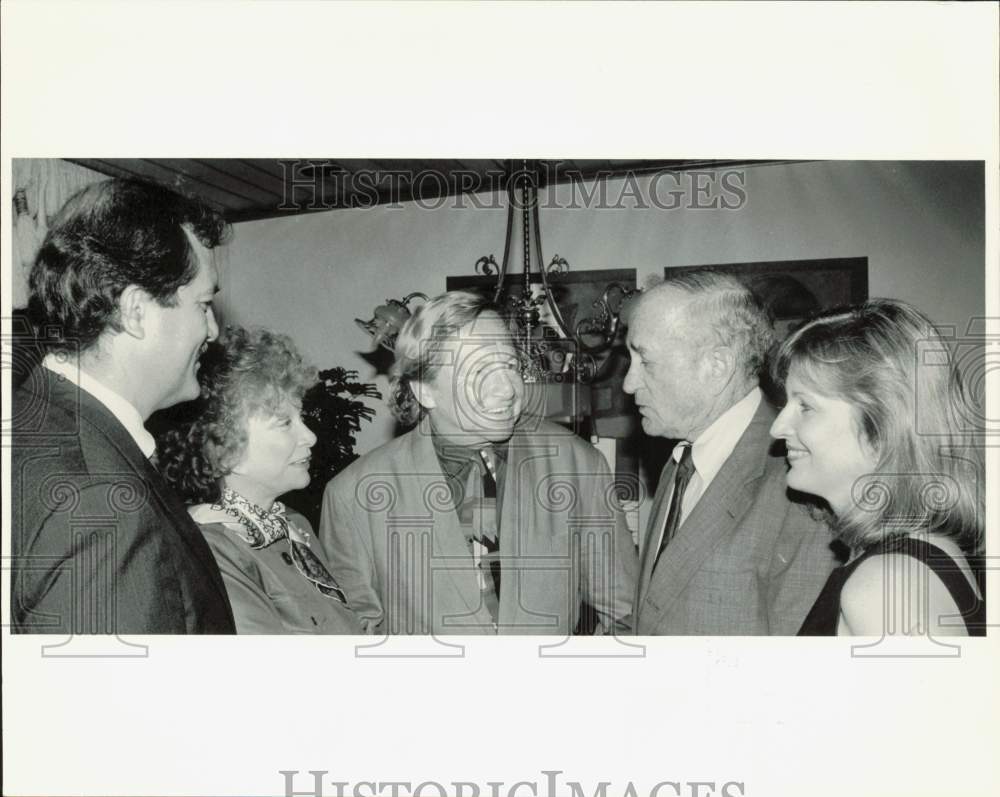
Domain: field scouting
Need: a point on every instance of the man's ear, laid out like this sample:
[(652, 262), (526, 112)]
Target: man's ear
[(721, 366), (133, 311), (424, 394)]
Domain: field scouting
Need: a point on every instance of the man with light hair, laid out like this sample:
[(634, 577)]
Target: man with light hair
[(728, 550), (483, 519)]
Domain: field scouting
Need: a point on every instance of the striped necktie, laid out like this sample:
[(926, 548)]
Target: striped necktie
[(682, 476), (478, 516)]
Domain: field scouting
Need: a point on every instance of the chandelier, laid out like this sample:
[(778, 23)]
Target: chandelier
[(550, 348)]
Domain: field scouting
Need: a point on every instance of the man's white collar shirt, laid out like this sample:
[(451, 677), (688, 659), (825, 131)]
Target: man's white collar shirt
[(712, 448), (127, 415)]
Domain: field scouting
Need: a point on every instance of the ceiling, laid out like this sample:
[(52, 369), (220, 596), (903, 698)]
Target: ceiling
[(245, 189)]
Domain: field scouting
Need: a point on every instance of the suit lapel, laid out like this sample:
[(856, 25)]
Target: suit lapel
[(527, 526), (167, 505), (717, 512), (522, 470), (447, 539), (657, 517), (519, 520)]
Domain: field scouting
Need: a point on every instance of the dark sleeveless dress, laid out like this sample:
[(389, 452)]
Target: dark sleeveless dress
[(824, 616)]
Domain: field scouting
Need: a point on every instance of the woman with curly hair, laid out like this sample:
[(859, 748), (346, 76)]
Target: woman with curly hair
[(231, 453), (878, 423)]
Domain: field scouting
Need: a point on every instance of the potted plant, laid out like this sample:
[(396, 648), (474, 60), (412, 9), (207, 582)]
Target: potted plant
[(333, 411)]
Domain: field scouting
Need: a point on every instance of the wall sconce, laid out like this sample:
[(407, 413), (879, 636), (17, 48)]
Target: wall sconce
[(388, 320)]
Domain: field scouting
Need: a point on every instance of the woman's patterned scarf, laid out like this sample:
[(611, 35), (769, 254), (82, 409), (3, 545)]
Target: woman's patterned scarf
[(263, 528)]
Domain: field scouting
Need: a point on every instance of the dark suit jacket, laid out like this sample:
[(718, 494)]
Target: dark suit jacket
[(100, 543), (395, 545), (748, 560)]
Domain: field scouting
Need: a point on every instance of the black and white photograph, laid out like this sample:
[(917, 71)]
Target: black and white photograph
[(421, 425)]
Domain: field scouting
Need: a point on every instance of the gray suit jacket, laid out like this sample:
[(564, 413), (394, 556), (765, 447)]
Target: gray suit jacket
[(748, 560), (396, 547), (268, 593)]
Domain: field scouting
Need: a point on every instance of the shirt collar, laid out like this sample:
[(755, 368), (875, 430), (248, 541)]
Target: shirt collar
[(456, 459), (126, 414), (713, 446), (205, 514)]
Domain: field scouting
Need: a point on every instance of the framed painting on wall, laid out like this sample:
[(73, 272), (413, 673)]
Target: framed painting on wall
[(798, 289)]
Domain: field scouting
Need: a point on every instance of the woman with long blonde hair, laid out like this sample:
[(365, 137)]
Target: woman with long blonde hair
[(879, 424)]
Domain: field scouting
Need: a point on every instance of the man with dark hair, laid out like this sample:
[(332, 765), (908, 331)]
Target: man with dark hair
[(121, 295), (728, 551)]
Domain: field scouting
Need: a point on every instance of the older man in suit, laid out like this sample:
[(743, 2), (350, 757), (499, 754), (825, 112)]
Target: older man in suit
[(484, 519), (122, 291), (728, 550)]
